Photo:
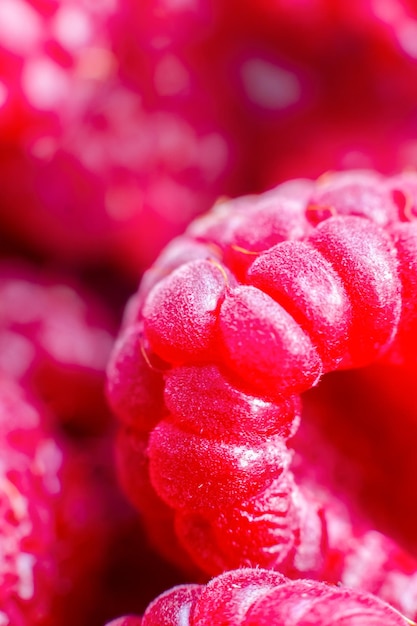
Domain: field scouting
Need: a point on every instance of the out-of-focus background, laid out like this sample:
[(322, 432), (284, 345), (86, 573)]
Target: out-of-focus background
[(121, 120)]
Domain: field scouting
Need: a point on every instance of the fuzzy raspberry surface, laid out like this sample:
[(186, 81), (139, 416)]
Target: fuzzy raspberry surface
[(256, 597), (279, 290)]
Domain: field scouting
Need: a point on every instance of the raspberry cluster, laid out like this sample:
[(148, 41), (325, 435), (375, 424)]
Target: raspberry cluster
[(263, 376), (249, 309)]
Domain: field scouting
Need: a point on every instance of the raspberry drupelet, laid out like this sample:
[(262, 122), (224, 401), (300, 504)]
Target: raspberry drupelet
[(237, 318), (257, 597)]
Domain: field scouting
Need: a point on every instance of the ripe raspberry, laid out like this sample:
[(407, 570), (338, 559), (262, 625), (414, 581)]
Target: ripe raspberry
[(55, 339), (91, 171), (45, 520), (292, 78), (256, 597), (333, 290), (46, 49)]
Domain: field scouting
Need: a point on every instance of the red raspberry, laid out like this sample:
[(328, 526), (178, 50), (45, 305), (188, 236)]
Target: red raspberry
[(256, 597), (144, 172), (47, 49), (45, 501), (91, 170), (228, 344), (55, 338), (292, 78)]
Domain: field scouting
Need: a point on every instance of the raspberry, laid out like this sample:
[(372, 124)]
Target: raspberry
[(111, 123), (131, 181), (252, 465), (265, 345), (39, 71), (315, 298), (322, 605), (405, 237), (361, 255), (43, 496), (312, 120), (92, 172), (256, 597), (355, 144), (171, 607), (55, 339), (156, 515), (243, 347), (135, 390), (229, 597), (376, 472), (225, 413), (245, 226)]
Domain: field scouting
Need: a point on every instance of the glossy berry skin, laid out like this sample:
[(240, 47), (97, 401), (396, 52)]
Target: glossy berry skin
[(263, 308), (256, 597)]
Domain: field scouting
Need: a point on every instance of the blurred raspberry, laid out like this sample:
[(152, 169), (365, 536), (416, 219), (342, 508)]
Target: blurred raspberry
[(55, 338), (47, 520), (145, 115), (90, 172), (367, 453)]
